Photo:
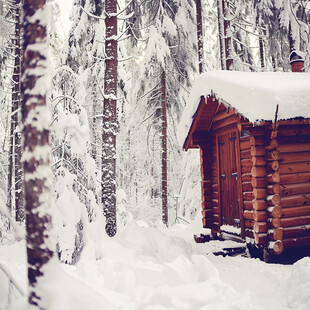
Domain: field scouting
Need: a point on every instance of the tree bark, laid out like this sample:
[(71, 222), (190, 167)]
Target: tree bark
[(36, 149), (199, 35), (164, 180), (110, 119)]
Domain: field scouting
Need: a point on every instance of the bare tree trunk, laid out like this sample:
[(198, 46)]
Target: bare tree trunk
[(18, 170), (110, 119), (225, 36), (15, 177), (199, 35), (261, 51), (36, 149), (164, 180)]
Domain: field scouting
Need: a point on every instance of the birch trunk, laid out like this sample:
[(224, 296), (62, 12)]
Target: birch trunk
[(36, 149)]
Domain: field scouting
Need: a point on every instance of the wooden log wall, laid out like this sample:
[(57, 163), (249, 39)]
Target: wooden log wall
[(215, 190), (258, 181), (289, 188), (206, 184), (247, 188)]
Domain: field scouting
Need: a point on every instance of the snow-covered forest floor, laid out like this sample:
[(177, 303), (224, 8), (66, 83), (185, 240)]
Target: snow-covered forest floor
[(147, 268)]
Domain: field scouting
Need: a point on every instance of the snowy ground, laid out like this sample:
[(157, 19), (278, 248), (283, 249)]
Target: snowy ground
[(144, 268)]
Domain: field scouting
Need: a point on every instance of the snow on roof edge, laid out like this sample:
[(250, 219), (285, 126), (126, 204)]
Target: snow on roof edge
[(254, 95)]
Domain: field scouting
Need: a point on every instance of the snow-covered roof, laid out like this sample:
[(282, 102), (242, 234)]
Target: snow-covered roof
[(254, 95)]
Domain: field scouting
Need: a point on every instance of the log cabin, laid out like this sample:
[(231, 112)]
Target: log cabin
[(253, 134)]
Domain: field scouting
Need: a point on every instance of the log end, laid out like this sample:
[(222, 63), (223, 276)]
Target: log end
[(277, 247)]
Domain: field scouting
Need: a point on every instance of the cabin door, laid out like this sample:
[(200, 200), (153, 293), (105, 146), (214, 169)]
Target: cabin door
[(228, 179)]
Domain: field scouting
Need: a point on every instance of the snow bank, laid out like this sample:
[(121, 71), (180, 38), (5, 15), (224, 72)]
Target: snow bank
[(254, 95), (299, 285)]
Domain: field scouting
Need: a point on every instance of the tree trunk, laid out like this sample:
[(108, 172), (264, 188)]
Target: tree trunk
[(110, 119), (164, 149), (16, 104), (199, 35), (225, 37), (36, 149), (15, 176)]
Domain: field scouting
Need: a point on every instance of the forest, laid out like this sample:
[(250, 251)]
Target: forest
[(94, 183)]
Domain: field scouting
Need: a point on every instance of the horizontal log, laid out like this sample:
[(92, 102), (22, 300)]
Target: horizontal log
[(293, 189), (246, 162), (248, 224), (247, 205), (276, 246), (216, 210), (259, 161), (258, 172), (274, 177), (246, 169), (245, 145), (294, 167), (247, 195), (207, 223), (259, 204), (300, 177), (215, 195), (294, 147), (297, 231), (207, 213), (245, 154), (274, 189), (296, 211), (285, 131), (259, 193), (295, 200), (206, 184), (246, 177), (260, 227), (274, 200), (215, 202), (260, 239), (259, 182), (294, 221), (293, 122), (247, 187), (259, 216), (296, 242), (257, 141), (275, 211), (275, 234), (258, 151), (287, 158), (206, 205), (249, 215), (294, 139)]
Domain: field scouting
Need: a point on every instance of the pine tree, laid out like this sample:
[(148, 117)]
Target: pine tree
[(110, 118)]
